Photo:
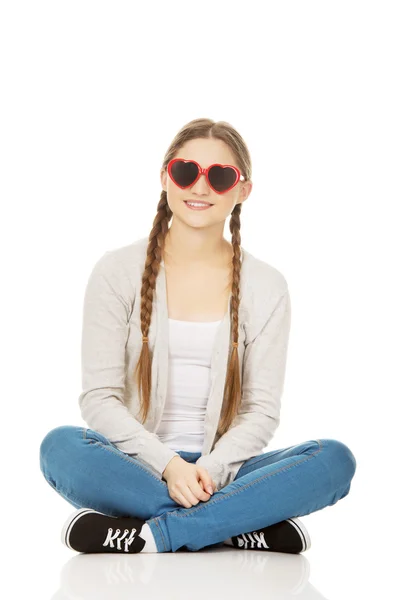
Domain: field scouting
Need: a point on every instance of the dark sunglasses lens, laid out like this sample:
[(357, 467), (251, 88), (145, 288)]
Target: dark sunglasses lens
[(222, 178), (184, 173)]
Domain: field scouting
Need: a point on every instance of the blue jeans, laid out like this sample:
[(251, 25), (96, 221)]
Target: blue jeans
[(87, 470)]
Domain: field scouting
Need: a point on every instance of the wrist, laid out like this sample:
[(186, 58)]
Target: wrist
[(165, 472)]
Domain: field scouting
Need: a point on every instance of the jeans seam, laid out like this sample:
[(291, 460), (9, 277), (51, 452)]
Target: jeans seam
[(271, 453), (161, 533), (204, 505), (124, 456), (262, 457)]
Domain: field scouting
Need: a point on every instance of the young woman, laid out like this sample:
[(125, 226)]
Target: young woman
[(184, 351)]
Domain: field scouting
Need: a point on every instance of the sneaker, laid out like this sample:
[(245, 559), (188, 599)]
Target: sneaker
[(290, 536), (87, 530)]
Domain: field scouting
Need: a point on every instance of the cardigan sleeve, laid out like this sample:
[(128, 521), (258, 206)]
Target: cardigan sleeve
[(107, 306), (264, 366)]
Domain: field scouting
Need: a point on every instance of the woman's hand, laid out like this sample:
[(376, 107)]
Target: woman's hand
[(213, 484), (187, 483)]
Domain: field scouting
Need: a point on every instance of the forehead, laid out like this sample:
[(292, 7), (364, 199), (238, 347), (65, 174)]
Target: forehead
[(207, 151)]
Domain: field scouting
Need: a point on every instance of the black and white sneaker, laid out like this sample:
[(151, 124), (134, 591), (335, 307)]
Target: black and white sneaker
[(290, 536), (87, 530)]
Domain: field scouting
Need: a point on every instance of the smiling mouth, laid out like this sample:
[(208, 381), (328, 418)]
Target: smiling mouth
[(198, 202)]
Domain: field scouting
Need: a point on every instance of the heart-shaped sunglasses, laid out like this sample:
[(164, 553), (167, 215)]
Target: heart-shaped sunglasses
[(221, 178)]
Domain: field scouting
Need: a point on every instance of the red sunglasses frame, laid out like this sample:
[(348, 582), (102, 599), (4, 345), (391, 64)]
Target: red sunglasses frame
[(205, 172)]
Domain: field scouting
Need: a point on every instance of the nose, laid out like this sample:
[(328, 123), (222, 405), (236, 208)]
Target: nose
[(201, 185)]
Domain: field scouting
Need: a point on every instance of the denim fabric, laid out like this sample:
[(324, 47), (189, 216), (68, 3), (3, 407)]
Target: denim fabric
[(87, 470)]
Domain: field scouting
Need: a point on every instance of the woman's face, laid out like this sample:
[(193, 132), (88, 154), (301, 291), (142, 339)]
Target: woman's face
[(206, 152)]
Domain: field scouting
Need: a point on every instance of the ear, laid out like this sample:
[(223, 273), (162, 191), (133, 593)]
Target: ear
[(244, 193), (246, 190)]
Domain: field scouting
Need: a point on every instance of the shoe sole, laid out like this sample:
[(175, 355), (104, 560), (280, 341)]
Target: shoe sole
[(302, 531), (72, 519)]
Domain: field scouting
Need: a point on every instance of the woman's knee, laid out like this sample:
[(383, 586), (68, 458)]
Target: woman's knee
[(341, 454), (56, 439)]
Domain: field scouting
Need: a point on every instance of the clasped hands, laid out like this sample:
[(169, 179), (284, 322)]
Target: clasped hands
[(188, 483)]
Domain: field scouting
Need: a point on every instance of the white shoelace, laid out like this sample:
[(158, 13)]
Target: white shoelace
[(111, 536), (258, 542)]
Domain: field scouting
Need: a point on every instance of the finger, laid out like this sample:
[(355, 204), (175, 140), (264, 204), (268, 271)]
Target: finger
[(199, 492), (202, 486), (214, 486), (208, 484), (186, 493), (193, 493), (180, 499)]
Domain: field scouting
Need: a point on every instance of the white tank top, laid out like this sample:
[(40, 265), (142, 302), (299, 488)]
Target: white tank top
[(189, 381)]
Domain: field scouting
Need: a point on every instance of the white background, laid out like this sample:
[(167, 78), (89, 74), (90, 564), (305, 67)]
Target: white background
[(92, 93)]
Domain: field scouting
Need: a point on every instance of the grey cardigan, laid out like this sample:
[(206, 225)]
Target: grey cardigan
[(112, 340)]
